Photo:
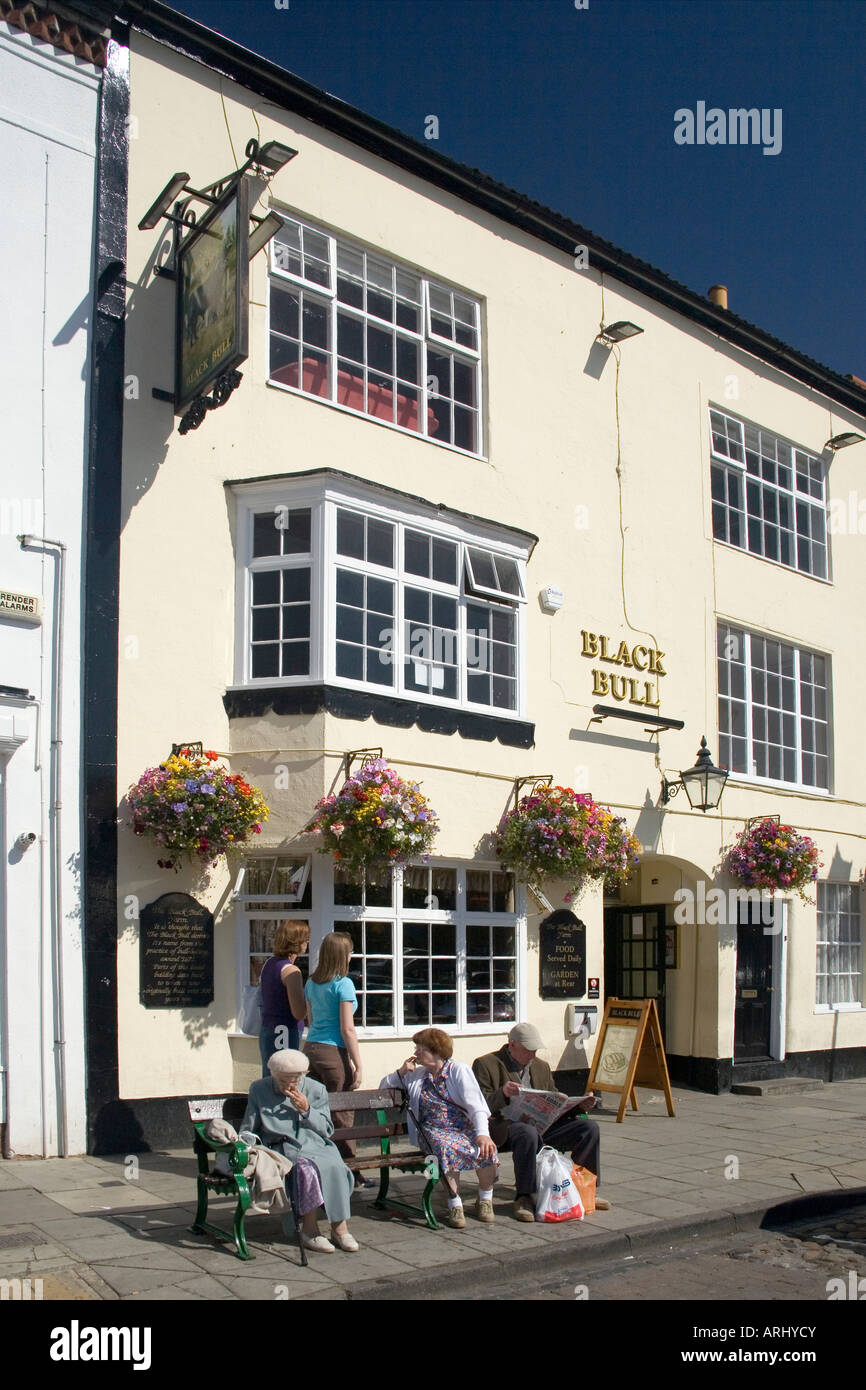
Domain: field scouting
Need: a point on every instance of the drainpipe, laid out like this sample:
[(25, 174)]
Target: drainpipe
[(55, 977)]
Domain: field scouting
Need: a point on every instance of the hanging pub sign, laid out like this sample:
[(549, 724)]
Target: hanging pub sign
[(212, 330), (562, 961)]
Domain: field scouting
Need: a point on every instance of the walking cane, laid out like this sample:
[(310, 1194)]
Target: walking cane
[(291, 1189)]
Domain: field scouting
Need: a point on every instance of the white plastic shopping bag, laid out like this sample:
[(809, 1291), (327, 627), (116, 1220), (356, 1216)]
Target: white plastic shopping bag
[(558, 1198)]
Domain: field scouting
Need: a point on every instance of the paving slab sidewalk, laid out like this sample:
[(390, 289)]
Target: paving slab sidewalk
[(116, 1228)]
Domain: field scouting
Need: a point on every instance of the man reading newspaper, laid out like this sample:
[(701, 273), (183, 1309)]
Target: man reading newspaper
[(508, 1078)]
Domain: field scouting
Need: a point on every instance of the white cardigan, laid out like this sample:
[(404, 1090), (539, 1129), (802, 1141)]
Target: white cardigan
[(461, 1087)]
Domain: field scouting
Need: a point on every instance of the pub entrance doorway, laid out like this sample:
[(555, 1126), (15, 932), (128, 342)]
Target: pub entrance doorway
[(634, 955)]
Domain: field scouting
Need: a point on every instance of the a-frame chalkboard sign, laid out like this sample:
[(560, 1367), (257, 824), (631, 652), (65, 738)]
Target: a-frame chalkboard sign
[(630, 1053)]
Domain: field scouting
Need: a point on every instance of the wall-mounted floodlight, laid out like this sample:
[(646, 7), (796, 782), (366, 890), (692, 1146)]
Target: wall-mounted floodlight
[(274, 155), (618, 332), (175, 186), (842, 441), (261, 235)]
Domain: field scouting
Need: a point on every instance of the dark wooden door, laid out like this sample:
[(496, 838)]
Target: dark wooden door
[(753, 1007), (634, 955)]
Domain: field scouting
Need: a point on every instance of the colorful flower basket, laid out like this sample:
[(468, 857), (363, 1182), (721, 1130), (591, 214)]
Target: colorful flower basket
[(556, 832), (377, 818), (193, 808), (773, 856)]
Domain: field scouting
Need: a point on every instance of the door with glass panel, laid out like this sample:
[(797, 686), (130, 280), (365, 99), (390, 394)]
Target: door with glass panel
[(634, 955)]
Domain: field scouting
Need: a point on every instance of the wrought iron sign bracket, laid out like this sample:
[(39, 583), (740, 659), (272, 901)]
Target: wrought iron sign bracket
[(756, 820), (366, 755), (544, 779), (223, 387), (195, 750)]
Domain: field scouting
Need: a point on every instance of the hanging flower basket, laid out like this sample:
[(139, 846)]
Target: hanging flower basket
[(556, 832), (194, 808), (773, 856), (377, 818)]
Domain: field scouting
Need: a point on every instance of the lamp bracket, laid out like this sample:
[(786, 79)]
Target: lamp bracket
[(658, 722), (364, 755), (670, 789)]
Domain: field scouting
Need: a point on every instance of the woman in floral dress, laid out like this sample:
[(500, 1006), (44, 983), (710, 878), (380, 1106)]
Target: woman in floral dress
[(448, 1119)]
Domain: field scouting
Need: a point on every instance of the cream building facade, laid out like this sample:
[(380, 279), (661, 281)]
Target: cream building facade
[(429, 434)]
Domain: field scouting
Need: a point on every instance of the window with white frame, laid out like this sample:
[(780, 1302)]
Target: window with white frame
[(355, 328), (774, 709), (366, 595), (839, 970), (768, 496), (432, 944), (438, 945)]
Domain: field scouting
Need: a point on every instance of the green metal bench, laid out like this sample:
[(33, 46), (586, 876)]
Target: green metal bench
[(201, 1112), (405, 1160)]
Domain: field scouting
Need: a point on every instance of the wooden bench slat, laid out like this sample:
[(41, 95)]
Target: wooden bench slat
[(357, 1165), (389, 1099), (368, 1132)]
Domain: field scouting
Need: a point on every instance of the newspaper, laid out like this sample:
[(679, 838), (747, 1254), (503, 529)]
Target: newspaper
[(543, 1108)]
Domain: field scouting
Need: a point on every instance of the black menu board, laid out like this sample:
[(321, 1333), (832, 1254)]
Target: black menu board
[(562, 961), (176, 953)]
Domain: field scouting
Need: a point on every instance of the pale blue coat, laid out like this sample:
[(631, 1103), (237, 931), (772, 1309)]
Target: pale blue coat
[(271, 1115)]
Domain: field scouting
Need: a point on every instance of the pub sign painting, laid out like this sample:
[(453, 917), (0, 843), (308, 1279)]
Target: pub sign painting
[(212, 330)]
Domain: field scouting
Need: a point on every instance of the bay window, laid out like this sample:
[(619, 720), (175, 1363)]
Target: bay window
[(347, 585)]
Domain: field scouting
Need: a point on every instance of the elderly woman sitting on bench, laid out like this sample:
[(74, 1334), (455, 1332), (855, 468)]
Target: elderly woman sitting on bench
[(289, 1111)]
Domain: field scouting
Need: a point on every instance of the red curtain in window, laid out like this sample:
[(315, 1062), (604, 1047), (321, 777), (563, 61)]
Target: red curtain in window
[(350, 392)]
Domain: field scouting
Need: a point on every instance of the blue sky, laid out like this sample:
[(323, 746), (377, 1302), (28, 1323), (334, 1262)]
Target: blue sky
[(576, 109)]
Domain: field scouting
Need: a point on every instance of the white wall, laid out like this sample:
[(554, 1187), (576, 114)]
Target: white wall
[(48, 117)]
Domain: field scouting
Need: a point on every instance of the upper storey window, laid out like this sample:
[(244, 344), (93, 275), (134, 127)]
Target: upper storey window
[(366, 333), (768, 496)]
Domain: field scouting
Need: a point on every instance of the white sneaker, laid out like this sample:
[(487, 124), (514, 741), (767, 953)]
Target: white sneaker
[(320, 1243)]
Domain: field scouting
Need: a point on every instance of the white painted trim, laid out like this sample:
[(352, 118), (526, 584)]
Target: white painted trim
[(779, 1012)]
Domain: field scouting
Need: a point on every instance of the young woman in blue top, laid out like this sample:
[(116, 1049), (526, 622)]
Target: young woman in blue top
[(331, 1042)]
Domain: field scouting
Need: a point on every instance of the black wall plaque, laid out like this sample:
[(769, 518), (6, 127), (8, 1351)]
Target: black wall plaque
[(562, 962), (176, 953)]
